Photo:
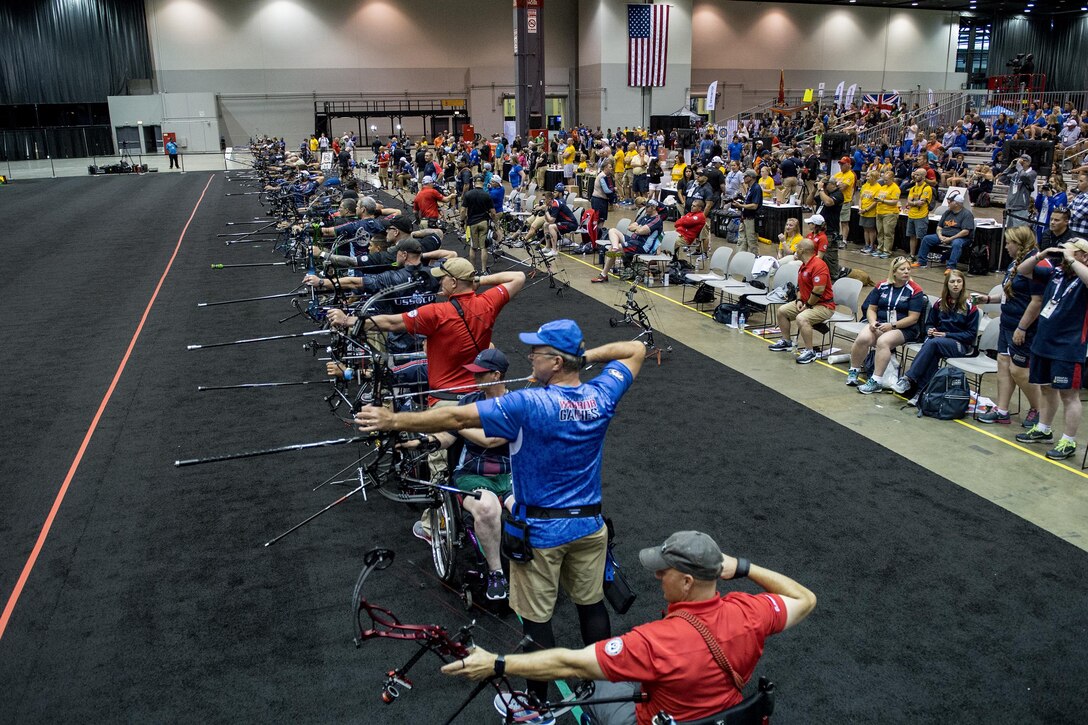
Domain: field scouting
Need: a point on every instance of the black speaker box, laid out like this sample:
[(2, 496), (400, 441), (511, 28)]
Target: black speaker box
[(1041, 152), (835, 145)]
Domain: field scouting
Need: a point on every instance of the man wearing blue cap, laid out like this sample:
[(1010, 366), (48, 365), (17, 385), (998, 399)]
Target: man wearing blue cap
[(557, 432)]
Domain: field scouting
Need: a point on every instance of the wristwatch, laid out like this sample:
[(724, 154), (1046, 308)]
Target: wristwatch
[(500, 665)]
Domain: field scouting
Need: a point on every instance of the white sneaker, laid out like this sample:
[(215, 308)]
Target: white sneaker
[(901, 385), (513, 708)]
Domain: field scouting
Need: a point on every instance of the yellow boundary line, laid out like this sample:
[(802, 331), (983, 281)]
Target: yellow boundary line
[(965, 424)]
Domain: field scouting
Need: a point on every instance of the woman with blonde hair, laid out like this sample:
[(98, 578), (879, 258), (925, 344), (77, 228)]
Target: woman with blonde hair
[(893, 310), (1021, 301), (951, 331)]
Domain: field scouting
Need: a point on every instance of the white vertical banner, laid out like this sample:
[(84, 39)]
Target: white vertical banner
[(711, 96), (930, 96), (820, 90), (510, 129), (838, 92), (850, 94)]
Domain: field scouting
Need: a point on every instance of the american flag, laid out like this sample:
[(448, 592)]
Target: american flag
[(883, 102), (647, 44)]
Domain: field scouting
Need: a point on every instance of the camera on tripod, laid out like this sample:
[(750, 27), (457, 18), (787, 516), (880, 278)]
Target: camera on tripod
[(1022, 63)]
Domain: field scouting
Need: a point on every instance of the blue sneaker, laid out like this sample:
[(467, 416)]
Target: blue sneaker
[(806, 357), (852, 378), (871, 386)]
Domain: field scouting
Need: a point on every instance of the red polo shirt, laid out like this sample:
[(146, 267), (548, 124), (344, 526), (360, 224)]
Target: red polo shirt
[(426, 202), (689, 225), (814, 273), (673, 663), (449, 343)]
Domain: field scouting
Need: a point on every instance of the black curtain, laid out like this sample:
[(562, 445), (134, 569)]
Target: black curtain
[(71, 51), (1058, 43)]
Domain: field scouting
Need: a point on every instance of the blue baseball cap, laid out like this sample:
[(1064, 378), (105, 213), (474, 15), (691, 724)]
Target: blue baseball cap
[(488, 361), (563, 335)]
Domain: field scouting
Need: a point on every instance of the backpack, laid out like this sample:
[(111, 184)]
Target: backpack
[(723, 313), (978, 260), (947, 395)]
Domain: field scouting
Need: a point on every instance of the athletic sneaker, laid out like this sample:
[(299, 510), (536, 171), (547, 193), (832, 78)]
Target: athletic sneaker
[(867, 250), (496, 586), (1035, 436), (947, 271), (421, 533), (549, 252), (806, 357), (781, 346), (902, 385), (514, 708), (919, 265), (881, 255), (1031, 419), (1065, 449), (871, 386), (992, 416), (852, 378), (599, 278)]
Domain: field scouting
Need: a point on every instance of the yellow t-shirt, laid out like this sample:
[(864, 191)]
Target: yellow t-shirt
[(568, 154), (678, 171), (790, 245), (634, 162), (921, 191), (618, 164), (890, 203), (767, 184), (868, 194), (847, 181)]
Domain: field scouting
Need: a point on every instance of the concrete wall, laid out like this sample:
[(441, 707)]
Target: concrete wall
[(743, 45), (269, 59), (192, 116)]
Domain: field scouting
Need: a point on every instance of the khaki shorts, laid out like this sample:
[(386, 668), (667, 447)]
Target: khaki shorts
[(438, 461), (812, 315), (477, 235), (578, 566)]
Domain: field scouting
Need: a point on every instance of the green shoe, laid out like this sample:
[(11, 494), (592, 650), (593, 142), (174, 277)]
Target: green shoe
[(1065, 449)]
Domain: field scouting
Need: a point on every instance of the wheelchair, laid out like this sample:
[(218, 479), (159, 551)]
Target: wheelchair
[(756, 709), (456, 552)]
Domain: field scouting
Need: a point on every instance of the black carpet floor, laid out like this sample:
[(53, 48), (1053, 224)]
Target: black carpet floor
[(154, 600)]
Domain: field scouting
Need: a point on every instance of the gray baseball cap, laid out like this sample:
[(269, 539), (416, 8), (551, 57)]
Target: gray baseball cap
[(689, 552)]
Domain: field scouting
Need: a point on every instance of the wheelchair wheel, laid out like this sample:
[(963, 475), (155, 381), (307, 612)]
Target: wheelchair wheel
[(443, 519)]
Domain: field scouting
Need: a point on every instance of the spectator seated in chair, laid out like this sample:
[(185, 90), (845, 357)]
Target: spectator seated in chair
[(955, 228), (951, 331), (893, 310), (642, 238)]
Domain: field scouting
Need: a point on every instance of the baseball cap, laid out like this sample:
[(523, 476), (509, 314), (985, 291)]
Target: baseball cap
[(689, 552), (1076, 243), (456, 267), (953, 196), (716, 160), (478, 179), (560, 187), (402, 223), (1070, 122), (488, 361), (563, 335), (410, 246), (428, 179), (845, 160), (815, 219)]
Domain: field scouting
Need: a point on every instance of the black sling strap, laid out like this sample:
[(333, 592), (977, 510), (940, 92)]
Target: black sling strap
[(461, 314)]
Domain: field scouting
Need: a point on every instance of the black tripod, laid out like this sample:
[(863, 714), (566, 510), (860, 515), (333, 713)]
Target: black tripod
[(637, 315)]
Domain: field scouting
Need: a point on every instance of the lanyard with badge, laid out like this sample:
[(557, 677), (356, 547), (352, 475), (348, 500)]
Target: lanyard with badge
[(1059, 295), (893, 313)]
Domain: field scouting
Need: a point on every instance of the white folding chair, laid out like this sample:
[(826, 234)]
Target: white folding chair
[(847, 297), (785, 274), (736, 282), (665, 251), (981, 365), (717, 270)]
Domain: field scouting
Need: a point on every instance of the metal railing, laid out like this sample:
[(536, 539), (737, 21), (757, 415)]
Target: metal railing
[(942, 114)]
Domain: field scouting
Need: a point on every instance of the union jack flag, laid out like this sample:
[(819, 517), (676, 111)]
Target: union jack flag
[(883, 102)]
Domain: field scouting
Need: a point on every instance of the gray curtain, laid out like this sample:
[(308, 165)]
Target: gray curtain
[(71, 51), (1059, 49)]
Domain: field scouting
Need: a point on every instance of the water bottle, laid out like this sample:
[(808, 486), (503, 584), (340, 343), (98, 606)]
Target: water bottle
[(741, 321), (665, 279), (649, 279), (733, 320)]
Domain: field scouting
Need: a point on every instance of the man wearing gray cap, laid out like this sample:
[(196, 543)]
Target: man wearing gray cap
[(671, 658), (955, 228), (1021, 180)]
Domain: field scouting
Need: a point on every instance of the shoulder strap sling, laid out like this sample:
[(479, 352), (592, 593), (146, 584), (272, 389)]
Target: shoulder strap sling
[(461, 313), (712, 644)]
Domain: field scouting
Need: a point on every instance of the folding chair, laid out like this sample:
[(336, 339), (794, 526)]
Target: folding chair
[(718, 270), (665, 251), (787, 273), (736, 283), (847, 297), (981, 364)]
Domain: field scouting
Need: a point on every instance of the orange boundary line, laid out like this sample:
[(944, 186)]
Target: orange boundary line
[(40, 543)]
